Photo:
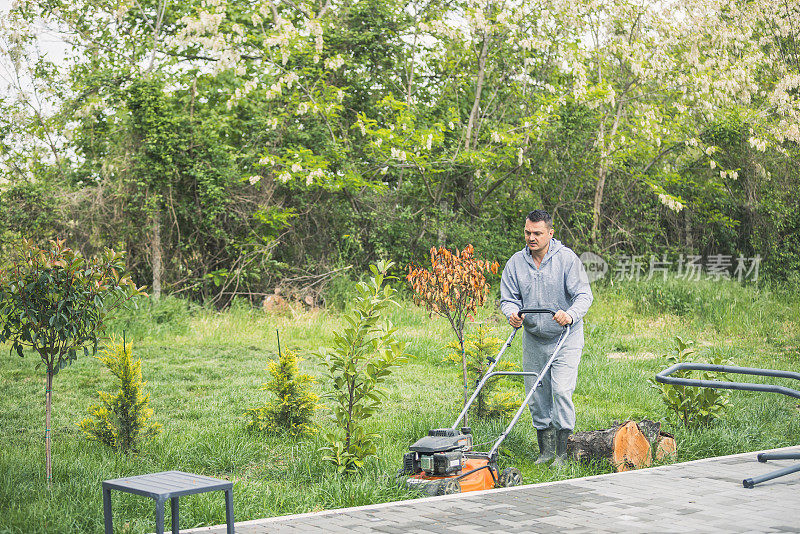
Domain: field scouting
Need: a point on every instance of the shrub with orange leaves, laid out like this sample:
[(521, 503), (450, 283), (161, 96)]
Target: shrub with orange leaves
[(455, 287)]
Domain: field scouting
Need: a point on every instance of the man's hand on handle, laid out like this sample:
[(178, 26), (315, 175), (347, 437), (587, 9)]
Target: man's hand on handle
[(561, 317), (515, 320)]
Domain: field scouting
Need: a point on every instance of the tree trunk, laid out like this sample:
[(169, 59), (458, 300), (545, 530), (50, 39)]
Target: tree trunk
[(598, 200), (604, 142), (156, 252), (625, 446), (476, 104), (441, 234), (48, 395), (464, 369)]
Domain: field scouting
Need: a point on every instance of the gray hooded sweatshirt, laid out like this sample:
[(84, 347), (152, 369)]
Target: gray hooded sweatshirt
[(559, 283)]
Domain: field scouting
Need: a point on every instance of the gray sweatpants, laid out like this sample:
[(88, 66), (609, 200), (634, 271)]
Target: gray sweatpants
[(551, 404)]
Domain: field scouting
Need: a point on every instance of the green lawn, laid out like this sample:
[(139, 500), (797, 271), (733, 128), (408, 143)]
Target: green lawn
[(204, 369)]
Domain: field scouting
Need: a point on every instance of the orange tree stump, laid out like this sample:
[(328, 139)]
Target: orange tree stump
[(624, 445)]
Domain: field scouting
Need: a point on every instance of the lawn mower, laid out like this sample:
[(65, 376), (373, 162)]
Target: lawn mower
[(444, 462)]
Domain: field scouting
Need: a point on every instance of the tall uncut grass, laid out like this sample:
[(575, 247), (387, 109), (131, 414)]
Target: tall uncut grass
[(204, 368)]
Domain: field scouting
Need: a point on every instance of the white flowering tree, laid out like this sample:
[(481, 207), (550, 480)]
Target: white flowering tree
[(405, 120)]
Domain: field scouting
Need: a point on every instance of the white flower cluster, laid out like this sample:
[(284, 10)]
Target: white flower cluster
[(334, 62), (274, 90), (670, 202), (315, 28), (315, 174), (285, 32), (398, 154), (289, 79), (787, 131)]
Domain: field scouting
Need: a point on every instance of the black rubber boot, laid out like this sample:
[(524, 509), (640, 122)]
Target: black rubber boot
[(547, 445), (561, 437)]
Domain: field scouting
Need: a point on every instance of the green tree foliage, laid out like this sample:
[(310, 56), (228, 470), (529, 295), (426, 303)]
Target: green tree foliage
[(123, 419), (56, 302), (197, 136), (293, 404), (693, 406), (479, 347), (360, 360)]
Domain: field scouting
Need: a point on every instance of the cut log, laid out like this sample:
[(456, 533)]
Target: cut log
[(624, 445), (666, 449), (650, 429), (662, 443)]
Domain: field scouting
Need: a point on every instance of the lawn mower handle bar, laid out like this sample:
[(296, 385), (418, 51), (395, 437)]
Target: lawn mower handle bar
[(665, 378), (495, 362), (542, 373), (536, 310)]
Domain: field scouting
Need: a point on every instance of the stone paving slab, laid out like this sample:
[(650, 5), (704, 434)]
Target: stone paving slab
[(700, 496)]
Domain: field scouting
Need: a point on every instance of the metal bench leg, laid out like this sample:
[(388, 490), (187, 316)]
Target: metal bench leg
[(750, 482), (109, 526), (764, 456), (174, 503), (159, 516), (229, 510)]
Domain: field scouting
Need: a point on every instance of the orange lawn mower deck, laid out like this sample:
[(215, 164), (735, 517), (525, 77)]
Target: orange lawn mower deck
[(478, 474), (443, 462)]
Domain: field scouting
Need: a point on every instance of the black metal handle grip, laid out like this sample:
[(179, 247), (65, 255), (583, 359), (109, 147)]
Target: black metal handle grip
[(539, 310), (665, 378)]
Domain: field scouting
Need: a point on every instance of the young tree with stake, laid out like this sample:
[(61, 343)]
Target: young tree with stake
[(55, 302), (454, 288)]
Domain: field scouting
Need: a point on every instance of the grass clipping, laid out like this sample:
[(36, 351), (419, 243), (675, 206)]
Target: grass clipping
[(122, 419)]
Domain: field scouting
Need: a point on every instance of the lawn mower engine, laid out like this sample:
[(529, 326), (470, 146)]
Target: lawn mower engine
[(440, 453)]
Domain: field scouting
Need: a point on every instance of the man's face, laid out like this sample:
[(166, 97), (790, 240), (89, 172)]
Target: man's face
[(537, 236)]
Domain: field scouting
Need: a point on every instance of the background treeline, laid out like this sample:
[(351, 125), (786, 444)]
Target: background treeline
[(230, 148)]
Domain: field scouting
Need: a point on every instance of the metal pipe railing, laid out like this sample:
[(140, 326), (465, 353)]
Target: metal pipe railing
[(665, 378)]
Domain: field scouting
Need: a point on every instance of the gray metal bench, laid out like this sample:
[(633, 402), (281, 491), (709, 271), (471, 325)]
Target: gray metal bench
[(665, 378), (167, 485)]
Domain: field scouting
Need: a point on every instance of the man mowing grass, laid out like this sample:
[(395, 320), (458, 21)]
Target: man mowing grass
[(547, 274)]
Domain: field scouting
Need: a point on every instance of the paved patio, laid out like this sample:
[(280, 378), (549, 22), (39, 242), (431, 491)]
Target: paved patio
[(701, 496)]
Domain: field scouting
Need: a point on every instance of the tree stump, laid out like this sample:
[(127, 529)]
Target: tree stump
[(662, 443), (624, 445), (666, 449)]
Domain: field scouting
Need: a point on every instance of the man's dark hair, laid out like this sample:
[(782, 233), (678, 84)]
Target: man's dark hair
[(540, 215)]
